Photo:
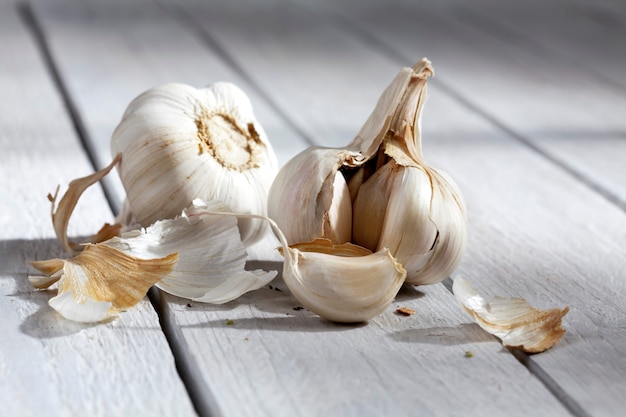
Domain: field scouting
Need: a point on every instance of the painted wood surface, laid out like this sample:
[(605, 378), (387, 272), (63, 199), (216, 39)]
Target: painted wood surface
[(546, 101), (49, 366), (229, 366), (542, 171)]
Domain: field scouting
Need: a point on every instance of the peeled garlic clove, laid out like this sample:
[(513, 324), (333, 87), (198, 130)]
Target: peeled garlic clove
[(515, 322), (179, 143), (342, 283), (397, 200), (100, 281), (211, 255)]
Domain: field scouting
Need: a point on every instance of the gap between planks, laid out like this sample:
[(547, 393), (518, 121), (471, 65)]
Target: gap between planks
[(389, 51), (185, 364), (25, 12), (199, 394)]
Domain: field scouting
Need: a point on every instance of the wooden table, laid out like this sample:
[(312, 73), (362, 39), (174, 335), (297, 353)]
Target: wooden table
[(527, 112)]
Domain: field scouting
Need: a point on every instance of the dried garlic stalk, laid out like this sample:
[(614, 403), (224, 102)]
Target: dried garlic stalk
[(515, 322)]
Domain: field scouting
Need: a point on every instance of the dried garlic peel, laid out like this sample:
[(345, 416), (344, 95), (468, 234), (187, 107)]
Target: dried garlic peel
[(62, 212), (100, 281), (211, 255), (515, 322)]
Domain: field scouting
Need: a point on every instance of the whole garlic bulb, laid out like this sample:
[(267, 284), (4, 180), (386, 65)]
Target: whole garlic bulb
[(378, 192), (179, 143)]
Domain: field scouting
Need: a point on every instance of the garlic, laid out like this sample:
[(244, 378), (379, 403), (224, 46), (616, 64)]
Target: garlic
[(515, 322), (100, 281), (211, 256), (196, 255), (343, 283), (378, 192), (179, 143)]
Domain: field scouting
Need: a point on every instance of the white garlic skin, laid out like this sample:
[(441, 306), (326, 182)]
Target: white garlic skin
[(179, 143)]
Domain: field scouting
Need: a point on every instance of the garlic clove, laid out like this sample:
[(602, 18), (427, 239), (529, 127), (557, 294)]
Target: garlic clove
[(448, 213), (100, 281), (211, 255), (342, 283), (309, 186), (180, 143), (515, 322), (408, 230)]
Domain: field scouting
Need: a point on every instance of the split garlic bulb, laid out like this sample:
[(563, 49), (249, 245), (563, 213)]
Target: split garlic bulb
[(179, 143), (378, 192)]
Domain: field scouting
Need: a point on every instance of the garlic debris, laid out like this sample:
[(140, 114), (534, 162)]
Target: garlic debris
[(378, 192), (197, 255), (179, 143), (100, 281), (211, 255), (515, 322)]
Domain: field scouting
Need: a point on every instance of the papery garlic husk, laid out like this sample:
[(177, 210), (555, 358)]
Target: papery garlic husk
[(179, 143), (515, 322), (342, 283), (211, 255), (197, 255), (100, 282), (378, 192)]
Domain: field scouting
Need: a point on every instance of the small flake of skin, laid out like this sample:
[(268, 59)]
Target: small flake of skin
[(405, 311)]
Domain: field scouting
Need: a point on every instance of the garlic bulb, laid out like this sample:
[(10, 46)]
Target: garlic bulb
[(378, 192), (179, 143)]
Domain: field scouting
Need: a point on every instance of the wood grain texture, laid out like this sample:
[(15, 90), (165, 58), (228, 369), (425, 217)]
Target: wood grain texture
[(279, 376), (553, 105), (50, 366), (536, 231)]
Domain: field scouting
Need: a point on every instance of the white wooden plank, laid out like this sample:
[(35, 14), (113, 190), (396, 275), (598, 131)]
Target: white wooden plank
[(294, 76), (588, 35), (291, 57), (558, 107), (49, 366), (536, 232), (257, 374), (522, 240)]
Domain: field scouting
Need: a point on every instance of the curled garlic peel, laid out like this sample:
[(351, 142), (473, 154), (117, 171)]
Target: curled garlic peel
[(515, 322), (378, 192), (179, 143)]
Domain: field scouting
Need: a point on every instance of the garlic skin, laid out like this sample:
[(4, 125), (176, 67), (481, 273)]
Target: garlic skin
[(211, 256), (100, 281), (179, 143), (515, 322), (378, 192)]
